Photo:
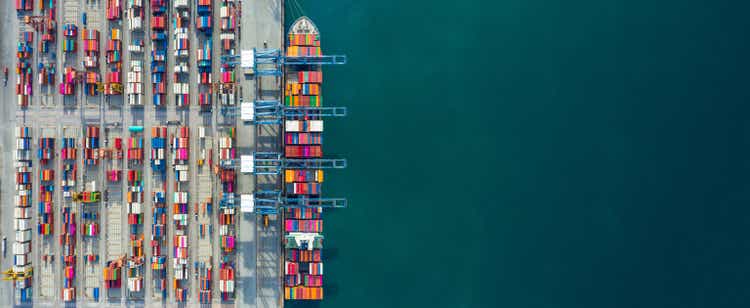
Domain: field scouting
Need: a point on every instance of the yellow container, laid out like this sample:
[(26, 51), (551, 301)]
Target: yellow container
[(116, 34)]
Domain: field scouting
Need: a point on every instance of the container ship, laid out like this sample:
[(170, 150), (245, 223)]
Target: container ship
[(303, 241)]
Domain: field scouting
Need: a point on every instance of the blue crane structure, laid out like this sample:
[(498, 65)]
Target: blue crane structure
[(270, 62), (271, 201), (271, 163)]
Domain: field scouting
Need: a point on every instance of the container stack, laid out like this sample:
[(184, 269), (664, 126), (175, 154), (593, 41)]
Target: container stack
[(158, 148), (204, 72), (68, 155), (181, 43), (46, 150), (113, 85), (181, 86), (227, 76), (204, 283), (159, 211), (228, 15), (91, 48), (203, 22), (181, 4), (22, 210), (180, 147), (47, 74), (205, 101), (134, 197), (46, 153), (227, 212), (91, 145), (91, 61), (158, 52), (226, 281), (24, 6), (114, 9), (135, 268), (113, 275), (135, 150), (158, 233), (135, 84), (24, 70), (50, 26), (135, 15), (228, 21), (70, 32), (90, 223), (68, 85), (68, 243)]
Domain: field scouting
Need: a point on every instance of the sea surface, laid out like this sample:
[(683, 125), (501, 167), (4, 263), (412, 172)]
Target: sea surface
[(529, 153)]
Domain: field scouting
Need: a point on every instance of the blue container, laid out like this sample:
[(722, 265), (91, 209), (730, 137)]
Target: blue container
[(136, 129), (96, 294)]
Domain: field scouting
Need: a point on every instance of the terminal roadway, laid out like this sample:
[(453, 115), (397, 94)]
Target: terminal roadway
[(259, 253)]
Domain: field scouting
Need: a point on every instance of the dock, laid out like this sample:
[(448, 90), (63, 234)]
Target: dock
[(126, 153)]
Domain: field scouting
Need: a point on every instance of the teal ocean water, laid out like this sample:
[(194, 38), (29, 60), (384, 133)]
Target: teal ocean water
[(527, 153)]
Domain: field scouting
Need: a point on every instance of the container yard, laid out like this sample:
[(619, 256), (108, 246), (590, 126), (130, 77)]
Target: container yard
[(178, 200)]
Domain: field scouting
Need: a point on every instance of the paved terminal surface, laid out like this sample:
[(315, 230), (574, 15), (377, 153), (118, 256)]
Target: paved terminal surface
[(258, 260)]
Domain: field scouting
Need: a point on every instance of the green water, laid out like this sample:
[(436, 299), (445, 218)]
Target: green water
[(528, 153)]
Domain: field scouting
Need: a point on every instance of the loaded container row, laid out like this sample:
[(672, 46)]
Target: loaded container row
[(91, 145), (21, 248), (158, 148), (296, 225), (134, 86), (303, 125), (114, 9), (135, 17)]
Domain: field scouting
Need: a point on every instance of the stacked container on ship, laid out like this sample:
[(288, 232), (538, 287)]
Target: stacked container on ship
[(303, 267)]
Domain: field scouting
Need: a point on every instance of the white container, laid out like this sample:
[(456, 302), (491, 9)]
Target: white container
[(21, 224), (23, 236), (21, 248), (316, 125), (180, 4), (21, 213)]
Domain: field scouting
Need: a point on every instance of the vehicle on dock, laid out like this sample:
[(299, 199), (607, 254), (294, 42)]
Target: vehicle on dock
[(4, 245), (5, 76)]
